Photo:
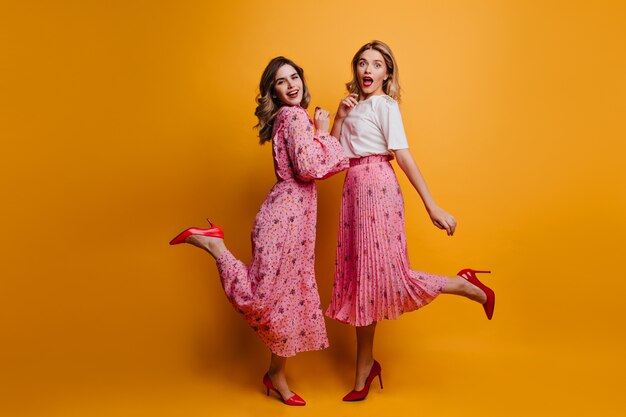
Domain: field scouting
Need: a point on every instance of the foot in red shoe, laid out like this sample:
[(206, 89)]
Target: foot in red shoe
[(208, 239), (355, 395), (470, 276), (213, 231), (295, 399)]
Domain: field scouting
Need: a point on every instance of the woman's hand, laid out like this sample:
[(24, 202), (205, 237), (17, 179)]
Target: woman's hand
[(321, 120), (439, 217), (442, 220), (346, 105)]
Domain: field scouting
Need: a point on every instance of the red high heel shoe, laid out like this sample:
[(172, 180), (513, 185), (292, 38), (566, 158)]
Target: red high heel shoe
[(360, 395), (295, 399), (470, 276), (213, 231)]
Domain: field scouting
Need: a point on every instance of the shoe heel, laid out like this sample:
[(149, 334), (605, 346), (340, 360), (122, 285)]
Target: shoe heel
[(470, 275), (380, 379), (479, 272)]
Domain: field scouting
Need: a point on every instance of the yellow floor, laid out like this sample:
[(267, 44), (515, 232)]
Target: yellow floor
[(436, 381)]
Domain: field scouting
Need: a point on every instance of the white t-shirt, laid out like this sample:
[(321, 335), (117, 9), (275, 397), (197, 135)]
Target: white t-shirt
[(373, 127)]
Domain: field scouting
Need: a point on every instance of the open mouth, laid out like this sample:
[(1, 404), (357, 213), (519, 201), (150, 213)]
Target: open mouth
[(367, 81), (293, 94)]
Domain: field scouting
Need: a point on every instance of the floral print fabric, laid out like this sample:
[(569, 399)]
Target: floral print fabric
[(277, 292)]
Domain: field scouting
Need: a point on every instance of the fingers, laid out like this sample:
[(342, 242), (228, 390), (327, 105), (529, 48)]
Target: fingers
[(320, 113), (452, 225), (448, 224), (442, 225), (321, 119), (350, 101)]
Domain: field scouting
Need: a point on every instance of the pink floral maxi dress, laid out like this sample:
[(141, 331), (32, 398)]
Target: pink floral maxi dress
[(277, 292)]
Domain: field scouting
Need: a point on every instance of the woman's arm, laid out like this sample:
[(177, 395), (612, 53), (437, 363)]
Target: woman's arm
[(313, 154), (345, 107), (439, 217)]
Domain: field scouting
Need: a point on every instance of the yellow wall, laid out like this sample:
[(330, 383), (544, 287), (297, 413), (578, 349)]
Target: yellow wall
[(123, 122)]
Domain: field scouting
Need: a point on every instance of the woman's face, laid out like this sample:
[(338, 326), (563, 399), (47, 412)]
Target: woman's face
[(371, 72), (288, 86)]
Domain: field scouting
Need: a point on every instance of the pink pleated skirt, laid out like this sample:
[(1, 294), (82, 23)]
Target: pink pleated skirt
[(373, 277)]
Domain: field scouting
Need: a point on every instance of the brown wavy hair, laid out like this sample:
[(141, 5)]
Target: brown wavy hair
[(267, 104), (391, 86)]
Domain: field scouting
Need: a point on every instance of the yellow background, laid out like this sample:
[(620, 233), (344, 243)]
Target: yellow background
[(123, 122)]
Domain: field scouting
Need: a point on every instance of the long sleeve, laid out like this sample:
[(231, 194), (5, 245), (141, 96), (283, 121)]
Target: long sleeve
[(313, 155)]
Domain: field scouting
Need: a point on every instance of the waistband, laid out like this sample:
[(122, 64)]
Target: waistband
[(370, 159)]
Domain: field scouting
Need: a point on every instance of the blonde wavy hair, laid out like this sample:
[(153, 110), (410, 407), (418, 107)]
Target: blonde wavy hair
[(267, 104), (391, 86)]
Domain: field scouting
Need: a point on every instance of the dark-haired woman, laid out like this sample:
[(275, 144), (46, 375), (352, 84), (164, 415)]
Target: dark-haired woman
[(277, 292)]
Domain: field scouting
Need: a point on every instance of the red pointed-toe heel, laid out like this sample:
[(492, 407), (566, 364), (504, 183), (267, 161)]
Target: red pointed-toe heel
[(470, 276), (360, 395), (213, 231), (295, 399)]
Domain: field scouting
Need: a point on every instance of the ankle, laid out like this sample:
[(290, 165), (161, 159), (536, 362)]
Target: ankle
[(476, 294), (276, 373), (365, 364), (215, 247)]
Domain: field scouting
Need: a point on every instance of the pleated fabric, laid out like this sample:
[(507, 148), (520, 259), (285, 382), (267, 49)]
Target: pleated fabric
[(373, 277)]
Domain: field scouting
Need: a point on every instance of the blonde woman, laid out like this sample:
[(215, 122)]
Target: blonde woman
[(373, 277)]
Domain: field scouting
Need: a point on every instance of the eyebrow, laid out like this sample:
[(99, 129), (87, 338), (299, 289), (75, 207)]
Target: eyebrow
[(282, 78), (376, 60)]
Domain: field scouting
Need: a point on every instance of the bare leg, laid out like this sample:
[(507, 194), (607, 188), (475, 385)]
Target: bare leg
[(278, 377), (458, 286), (364, 354), (214, 245)]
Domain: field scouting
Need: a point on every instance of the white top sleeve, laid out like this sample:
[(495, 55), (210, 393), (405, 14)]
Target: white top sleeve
[(388, 114), (373, 127)]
